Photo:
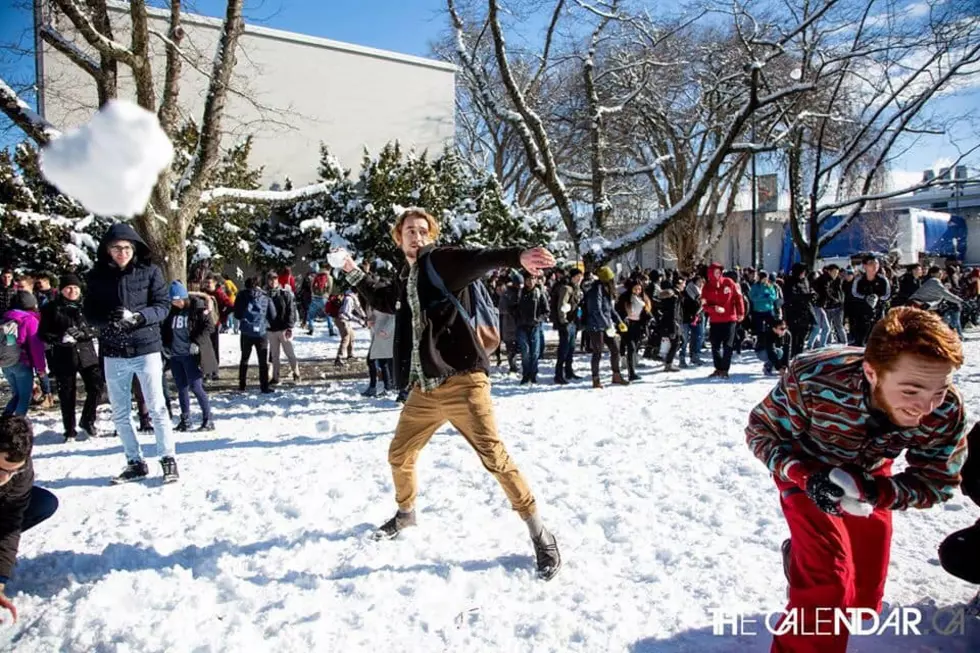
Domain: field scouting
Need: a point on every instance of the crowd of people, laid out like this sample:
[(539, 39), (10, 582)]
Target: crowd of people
[(828, 430)]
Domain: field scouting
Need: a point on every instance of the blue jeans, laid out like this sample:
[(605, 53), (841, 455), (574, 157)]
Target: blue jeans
[(119, 382), (566, 348), (189, 378), (20, 377), (820, 333), (529, 342), (952, 317), (318, 306)]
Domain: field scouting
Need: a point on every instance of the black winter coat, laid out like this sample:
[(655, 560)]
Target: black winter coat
[(531, 307), (15, 496), (140, 288), (66, 359), (200, 330), (285, 312), (797, 298), (448, 345)]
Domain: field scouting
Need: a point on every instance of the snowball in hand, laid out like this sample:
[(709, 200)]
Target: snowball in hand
[(337, 258), (852, 501), (111, 163)]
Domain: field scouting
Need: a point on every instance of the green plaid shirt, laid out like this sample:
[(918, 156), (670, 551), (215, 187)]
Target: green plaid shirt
[(415, 374)]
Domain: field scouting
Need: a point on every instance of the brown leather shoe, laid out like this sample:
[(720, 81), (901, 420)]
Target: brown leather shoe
[(619, 380), (596, 383)]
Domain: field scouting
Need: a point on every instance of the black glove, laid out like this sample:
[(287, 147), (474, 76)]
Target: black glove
[(77, 334), (825, 493)]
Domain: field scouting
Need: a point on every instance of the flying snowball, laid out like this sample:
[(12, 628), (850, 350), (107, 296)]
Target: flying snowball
[(111, 163)]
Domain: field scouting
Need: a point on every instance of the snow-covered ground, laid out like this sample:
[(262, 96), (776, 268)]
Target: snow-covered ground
[(662, 514)]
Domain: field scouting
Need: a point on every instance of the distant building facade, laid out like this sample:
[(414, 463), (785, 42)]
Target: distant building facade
[(290, 92)]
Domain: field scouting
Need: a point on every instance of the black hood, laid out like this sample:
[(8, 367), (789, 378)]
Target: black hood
[(122, 231)]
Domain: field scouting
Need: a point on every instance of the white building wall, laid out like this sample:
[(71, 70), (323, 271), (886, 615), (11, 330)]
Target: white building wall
[(292, 92)]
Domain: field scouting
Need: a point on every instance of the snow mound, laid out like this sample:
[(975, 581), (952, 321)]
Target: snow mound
[(111, 163)]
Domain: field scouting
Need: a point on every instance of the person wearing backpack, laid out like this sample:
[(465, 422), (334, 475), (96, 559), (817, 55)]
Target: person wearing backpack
[(254, 312), (441, 351), (21, 351), (71, 339), (320, 291), (187, 339), (349, 314), (126, 301)]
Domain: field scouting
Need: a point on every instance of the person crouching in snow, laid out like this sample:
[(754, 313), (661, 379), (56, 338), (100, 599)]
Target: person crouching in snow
[(187, 337), (443, 359), (959, 554), (774, 347), (23, 505), (829, 432)]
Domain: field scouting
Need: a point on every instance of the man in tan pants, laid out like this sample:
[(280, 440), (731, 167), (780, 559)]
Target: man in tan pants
[(280, 332), (440, 357)]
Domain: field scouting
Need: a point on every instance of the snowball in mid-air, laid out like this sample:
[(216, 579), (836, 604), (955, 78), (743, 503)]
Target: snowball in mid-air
[(111, 163)]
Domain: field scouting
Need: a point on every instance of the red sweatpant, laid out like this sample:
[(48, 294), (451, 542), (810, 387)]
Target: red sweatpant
[(835, 562)]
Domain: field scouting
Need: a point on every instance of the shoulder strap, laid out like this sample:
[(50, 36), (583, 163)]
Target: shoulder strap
[(440, 285)]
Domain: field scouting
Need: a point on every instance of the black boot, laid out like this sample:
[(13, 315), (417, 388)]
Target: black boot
[(391, 528), (546, 555), (134, 471), (184, 424), (206, 425), (146, 426), (169, 465), (70, 436)]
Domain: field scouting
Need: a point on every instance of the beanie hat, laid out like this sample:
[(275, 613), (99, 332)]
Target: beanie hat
[(24, 301), (70, 280), (605, 274), (177, 291)]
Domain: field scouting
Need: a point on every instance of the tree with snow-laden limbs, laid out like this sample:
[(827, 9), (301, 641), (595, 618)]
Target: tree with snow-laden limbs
[(611, 60), (180, 196), (358, 212), (43, 230), (875, 68)]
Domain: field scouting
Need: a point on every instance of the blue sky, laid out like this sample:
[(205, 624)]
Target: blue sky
[(406, 26)]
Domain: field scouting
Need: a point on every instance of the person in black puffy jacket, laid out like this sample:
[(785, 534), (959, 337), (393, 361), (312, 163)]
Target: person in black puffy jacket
[(71, 340), (127, 300)]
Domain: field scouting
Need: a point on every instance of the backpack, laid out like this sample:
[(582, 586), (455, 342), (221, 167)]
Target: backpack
[(332, 307), (484, 319), (253, 324), (320, 282), (10, 352)]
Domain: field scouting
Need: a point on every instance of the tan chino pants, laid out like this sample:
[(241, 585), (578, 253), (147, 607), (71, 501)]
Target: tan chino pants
[(464, 401)]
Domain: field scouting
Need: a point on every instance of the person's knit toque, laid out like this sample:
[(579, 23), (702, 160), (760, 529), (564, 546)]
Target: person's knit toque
[(605, 274), (70, 280), (177, 291)]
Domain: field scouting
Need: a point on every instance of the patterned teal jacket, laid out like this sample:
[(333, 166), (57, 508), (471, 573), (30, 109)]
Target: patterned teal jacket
[(819, 412)]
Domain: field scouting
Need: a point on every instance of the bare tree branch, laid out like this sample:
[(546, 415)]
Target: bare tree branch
[(93, 36)]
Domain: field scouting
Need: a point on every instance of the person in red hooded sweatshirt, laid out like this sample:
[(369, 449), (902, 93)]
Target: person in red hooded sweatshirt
[(723, 303)]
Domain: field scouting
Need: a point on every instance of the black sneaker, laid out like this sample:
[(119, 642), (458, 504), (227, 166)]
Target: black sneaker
[(402, 396), (273, 381), (169, 465), (268, 391), (206, 425), (184, 425), (546, 554), (391, 528), (146, 426), (134, 471)]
